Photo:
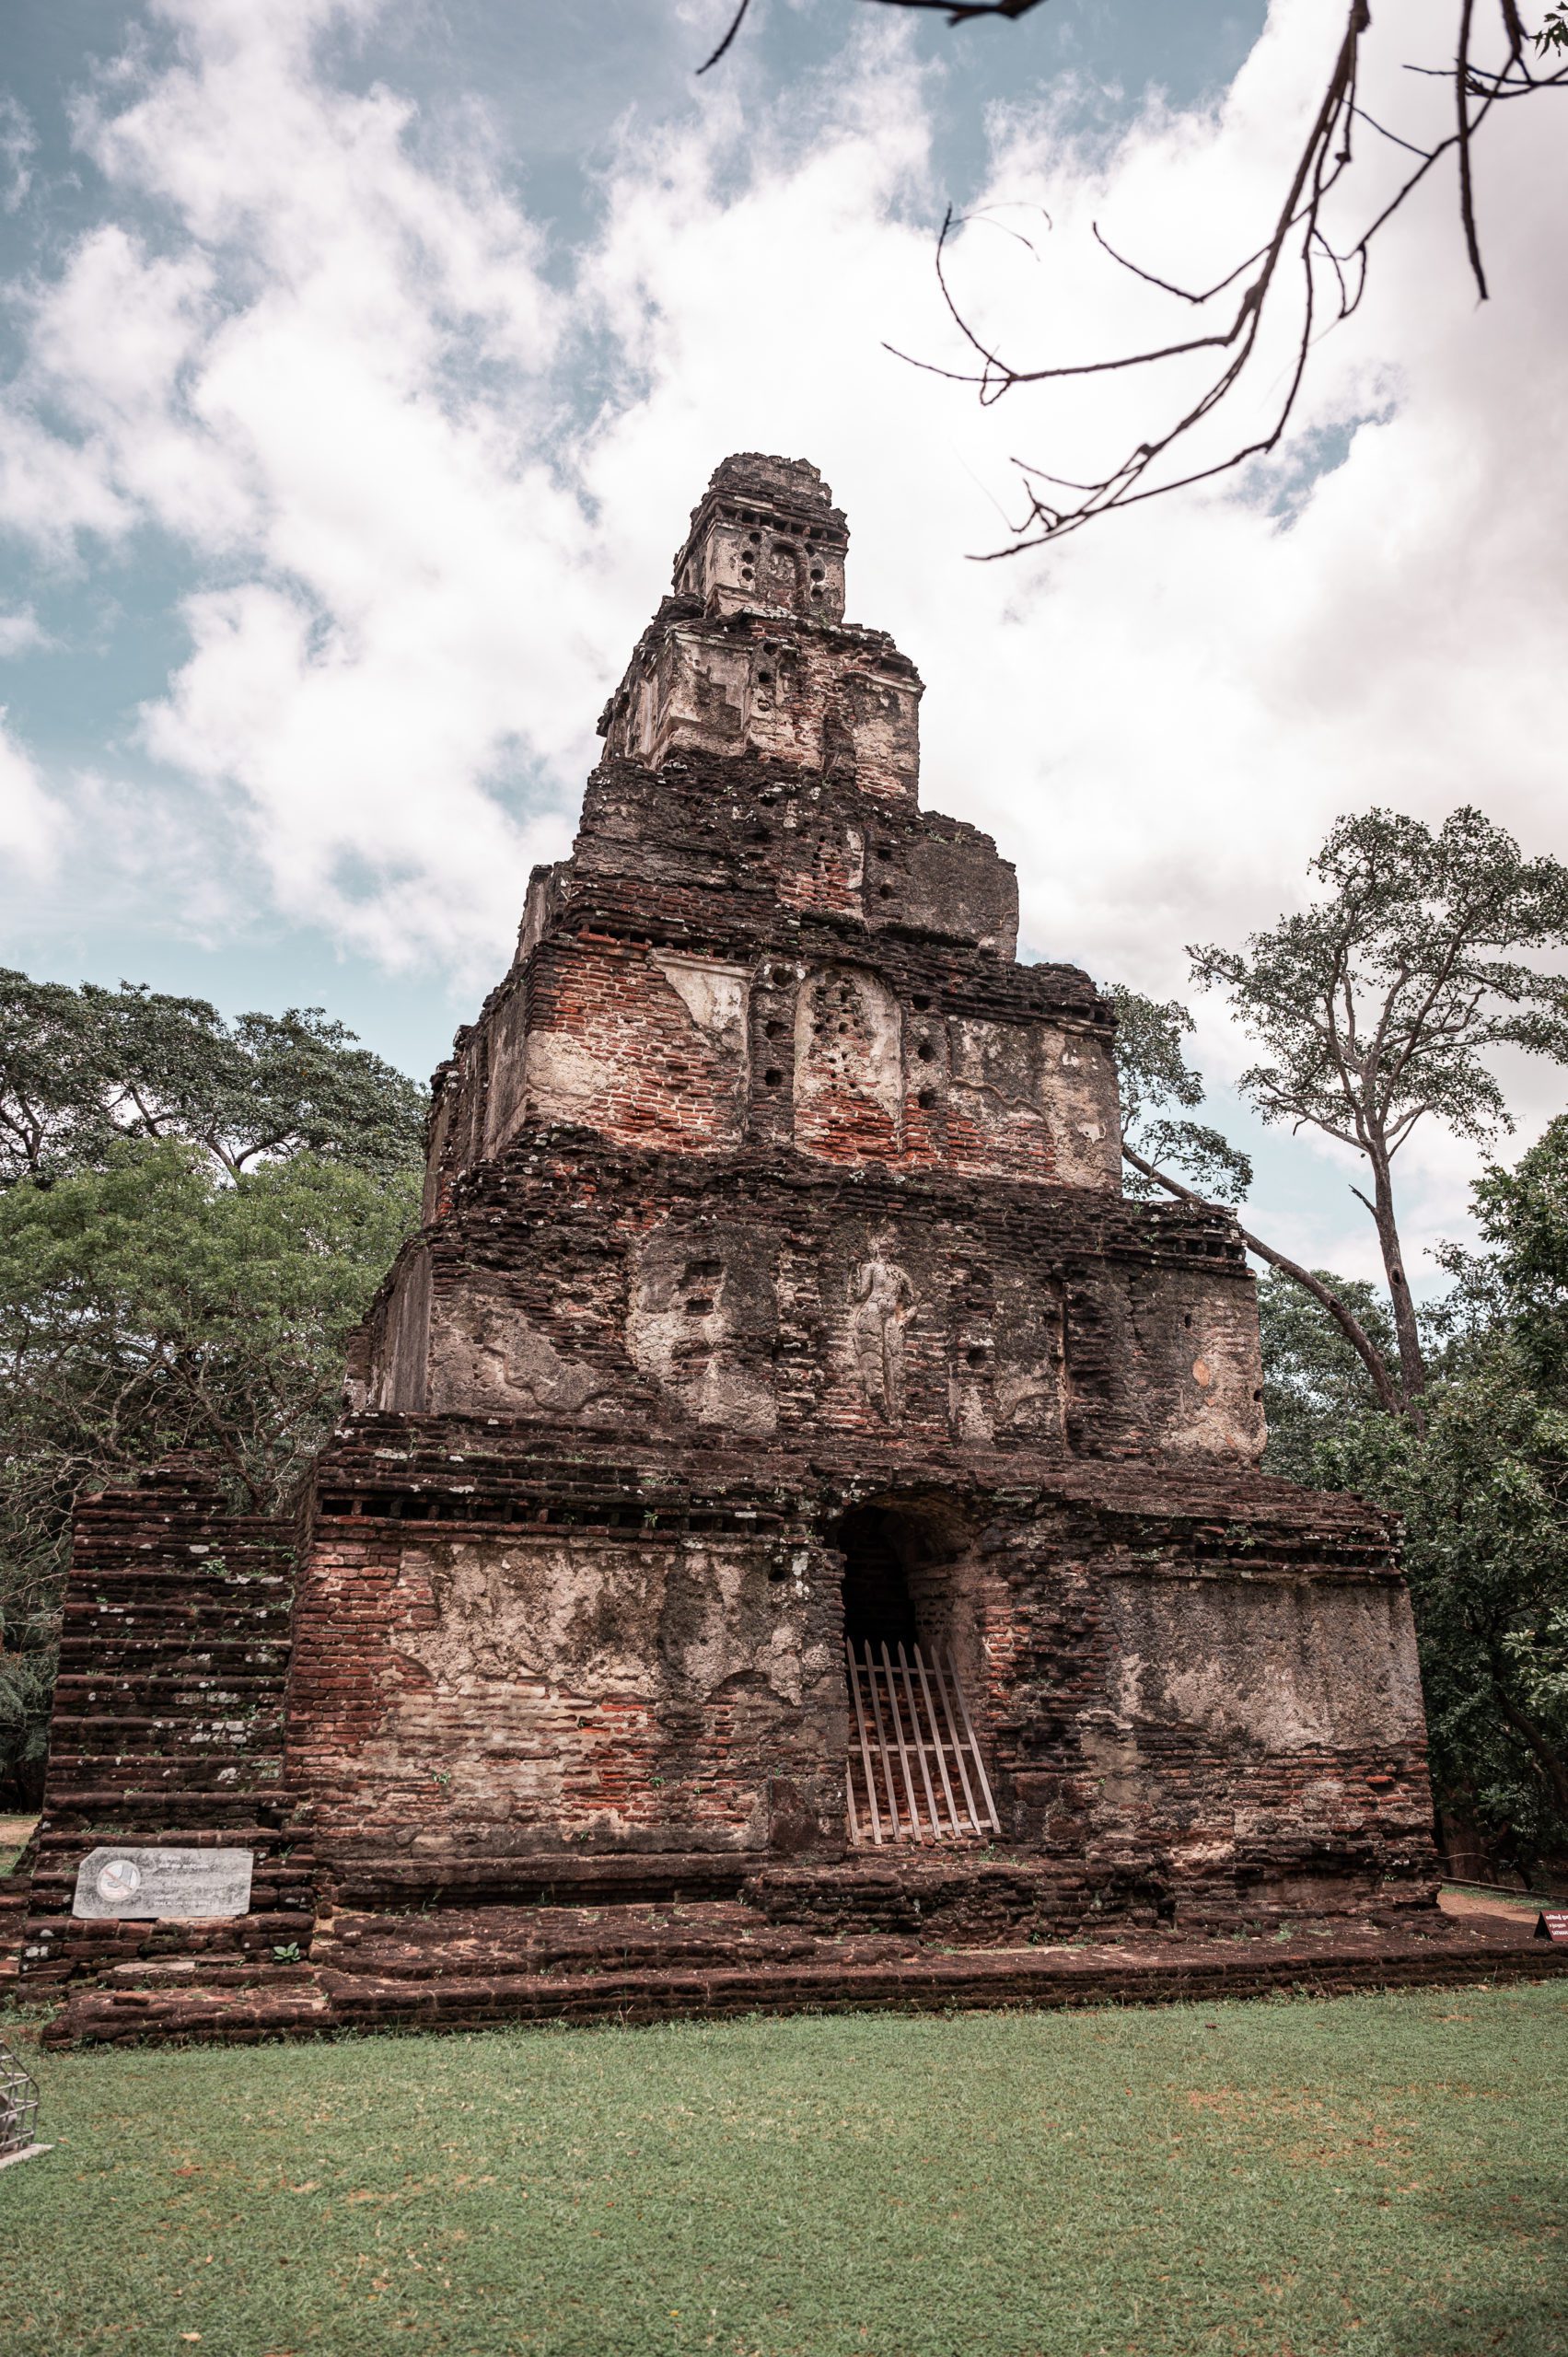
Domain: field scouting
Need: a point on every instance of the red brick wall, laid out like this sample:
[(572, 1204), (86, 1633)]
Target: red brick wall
[(612, 1046), (502, 1686)]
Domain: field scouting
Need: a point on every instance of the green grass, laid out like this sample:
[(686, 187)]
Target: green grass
[(1382, 2175)]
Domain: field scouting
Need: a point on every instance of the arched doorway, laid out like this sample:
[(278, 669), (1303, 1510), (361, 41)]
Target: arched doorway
[(915, 1770)]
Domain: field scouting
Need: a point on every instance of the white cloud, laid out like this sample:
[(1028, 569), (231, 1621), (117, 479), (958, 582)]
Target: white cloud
[(342, 376), (324, 378), (31, 823), (21, 632), (18, 144)]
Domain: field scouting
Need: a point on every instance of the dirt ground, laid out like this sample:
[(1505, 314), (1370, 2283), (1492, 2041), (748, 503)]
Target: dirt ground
[(14, 1832), (1475, 1902)]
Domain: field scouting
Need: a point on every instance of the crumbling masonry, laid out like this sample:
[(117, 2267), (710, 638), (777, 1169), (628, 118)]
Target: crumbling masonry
[(776, 1283)]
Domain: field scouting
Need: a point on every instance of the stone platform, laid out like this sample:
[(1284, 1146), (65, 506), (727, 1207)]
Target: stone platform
[(477, 1967)]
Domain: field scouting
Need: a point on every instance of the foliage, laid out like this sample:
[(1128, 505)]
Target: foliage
[(82, 1069), (1484, 1489), (1153, 1074), (151, 1305), (1314, 1383), (1368, 2172), (1518, 1288), (193, 1215), (1378, 1005)]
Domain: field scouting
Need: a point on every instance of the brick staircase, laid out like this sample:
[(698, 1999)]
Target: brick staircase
[(167, 1724)]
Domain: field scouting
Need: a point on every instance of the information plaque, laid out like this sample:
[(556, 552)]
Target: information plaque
[(148, 1884)]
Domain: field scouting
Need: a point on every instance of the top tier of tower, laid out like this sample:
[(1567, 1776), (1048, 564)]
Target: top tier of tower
[(750, 651), (765, 537)]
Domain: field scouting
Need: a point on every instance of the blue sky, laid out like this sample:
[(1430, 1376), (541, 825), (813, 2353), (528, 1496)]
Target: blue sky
[(363, 361)]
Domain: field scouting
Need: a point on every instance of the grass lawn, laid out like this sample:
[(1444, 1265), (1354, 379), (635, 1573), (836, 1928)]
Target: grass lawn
[(1382, 2175)]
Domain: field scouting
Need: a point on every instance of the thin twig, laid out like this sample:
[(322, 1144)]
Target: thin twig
[(1466, 185), (735, 24)]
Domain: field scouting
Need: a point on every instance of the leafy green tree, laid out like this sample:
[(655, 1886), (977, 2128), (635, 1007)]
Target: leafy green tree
[(1483, 1489), (155, 1305), (1518, 1288), (193, 1215), (80, 1068), (1315, 1385), (1159, 1090), (1378, 1005)]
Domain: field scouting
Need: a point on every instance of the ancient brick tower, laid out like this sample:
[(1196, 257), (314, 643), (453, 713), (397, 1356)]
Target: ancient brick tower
[(775, 1286), (777, 1278)]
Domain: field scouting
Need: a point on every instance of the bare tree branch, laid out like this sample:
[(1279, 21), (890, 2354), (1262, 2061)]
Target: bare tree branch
[(1344, 1319), (1299, 250)]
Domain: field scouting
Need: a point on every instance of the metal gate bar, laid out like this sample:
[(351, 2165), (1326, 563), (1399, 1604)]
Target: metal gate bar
[(910, 1717)]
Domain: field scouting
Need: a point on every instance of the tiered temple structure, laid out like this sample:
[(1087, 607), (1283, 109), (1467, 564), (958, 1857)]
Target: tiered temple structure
[(785, 1467)]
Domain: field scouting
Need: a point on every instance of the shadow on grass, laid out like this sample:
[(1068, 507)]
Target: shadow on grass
[(1508, 2204), (1502, 2327), (1518, 2215)]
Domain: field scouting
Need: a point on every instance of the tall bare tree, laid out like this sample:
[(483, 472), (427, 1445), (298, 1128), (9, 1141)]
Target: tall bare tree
[(1378, 1005)]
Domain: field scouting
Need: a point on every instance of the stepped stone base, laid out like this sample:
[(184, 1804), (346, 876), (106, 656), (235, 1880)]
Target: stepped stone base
[(468, 1968)]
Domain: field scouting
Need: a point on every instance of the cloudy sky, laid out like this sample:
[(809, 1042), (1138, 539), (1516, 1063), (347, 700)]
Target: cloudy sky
[(364, 357)]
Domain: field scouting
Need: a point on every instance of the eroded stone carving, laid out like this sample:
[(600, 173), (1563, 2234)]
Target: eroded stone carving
[(882, 1303), (703, 1312), (487, 1355), (849, 1081), (714, 995)]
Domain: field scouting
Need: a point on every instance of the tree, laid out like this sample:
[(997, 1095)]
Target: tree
[(193, 1215), (1316, 1384), (1519, 1287), (80, 1068), (1302, 265), (1483, 1491), (153, 1305), (1153, 1075), (1377, 1005)]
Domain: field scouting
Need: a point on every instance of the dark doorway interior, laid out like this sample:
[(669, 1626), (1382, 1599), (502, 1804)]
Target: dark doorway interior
[(913, 1770), (877, 1607)]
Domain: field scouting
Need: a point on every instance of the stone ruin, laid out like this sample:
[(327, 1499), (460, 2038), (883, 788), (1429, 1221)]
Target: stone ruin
[(785, 1470)]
